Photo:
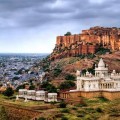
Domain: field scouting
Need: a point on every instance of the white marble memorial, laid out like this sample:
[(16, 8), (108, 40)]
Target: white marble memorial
[(101, 81)]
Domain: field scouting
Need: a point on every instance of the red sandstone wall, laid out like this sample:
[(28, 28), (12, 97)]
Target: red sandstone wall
[(94, 35), (76, 95), (111, 95), (90, 94), (84, 49), (91, 49)]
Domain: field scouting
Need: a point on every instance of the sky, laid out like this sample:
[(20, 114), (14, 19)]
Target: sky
[(31, 26)]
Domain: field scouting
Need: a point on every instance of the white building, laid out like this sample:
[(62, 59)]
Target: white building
[(40, 95), (101, 81), (22, 93), (31, 94), (37, 95), (52, 97)]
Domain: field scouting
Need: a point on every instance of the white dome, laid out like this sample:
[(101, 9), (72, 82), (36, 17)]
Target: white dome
[(78, 73), (87, 73), (101, 63), (114, 72)]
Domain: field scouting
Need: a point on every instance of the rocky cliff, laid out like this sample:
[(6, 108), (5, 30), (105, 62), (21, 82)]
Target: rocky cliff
[(88, 42)]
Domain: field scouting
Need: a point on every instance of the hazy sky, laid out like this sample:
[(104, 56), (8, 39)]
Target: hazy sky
[(31, 26)]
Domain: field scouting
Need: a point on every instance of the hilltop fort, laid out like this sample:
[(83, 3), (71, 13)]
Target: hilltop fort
[(87, 42)]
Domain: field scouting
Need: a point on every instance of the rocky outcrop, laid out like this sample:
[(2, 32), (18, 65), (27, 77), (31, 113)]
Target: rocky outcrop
[(87, 42)]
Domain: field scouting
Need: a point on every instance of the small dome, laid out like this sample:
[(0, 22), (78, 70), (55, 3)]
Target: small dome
[(101, 63), (87, 73), (78, 73), (114, 71)]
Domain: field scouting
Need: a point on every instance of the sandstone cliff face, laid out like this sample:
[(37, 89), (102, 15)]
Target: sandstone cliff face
[(87, 42)]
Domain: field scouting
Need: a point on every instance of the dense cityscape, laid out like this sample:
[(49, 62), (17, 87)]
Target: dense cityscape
[(16, 69)]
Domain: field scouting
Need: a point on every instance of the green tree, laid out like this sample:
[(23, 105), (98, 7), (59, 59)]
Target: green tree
[(67, 85), (16, 78), (70, 77), (68, 33), (32, 87), (84, 71), (57, 71), (91, 70), (20, 87), (8, 92), (102, 50), (49, 87)]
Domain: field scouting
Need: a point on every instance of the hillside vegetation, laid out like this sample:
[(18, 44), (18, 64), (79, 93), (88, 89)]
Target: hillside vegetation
[(60, 68)]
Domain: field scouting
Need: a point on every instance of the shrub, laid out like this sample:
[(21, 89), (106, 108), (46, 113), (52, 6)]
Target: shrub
[(99, 110), (102, 50), (57, 71), (102, 99), (8, 92), (64, 118), (62, 105), (74, 108), (88, 117), (65, 110), (53, 103), (41, 118), (81, 56), (82, 104), (90, 56), (80, 115), (70, 77), (90, 110)]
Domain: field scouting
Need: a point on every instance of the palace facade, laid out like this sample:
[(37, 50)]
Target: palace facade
[(101, 81), (102, 84)]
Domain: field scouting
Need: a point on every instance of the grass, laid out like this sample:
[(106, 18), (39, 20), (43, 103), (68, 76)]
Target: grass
[(20, 102), (97, 108), (94, 109)]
